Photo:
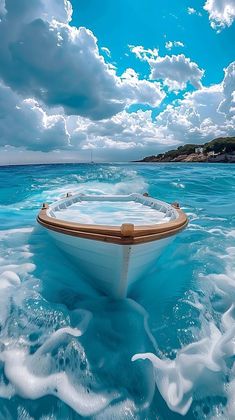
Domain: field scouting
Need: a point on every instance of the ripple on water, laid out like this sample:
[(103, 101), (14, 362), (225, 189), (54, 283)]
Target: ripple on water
[(169, 348)]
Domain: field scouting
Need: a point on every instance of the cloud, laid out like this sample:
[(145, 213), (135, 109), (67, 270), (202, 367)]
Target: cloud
[(106, 51), (170, 44), (2, 9), (176, 71), (192, 11), (23, 123), (199, 117), (144, 54), (58, 94), (125, 136), (202, 115), (141, 91), (227, 106), (221, 13), (42, 56), (24, 12)]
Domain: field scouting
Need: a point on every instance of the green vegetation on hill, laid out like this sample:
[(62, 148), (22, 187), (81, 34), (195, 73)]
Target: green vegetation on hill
[(187, 149), (218, 146)]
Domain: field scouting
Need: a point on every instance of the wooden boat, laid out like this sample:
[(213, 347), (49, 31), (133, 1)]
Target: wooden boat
[(115, 240)]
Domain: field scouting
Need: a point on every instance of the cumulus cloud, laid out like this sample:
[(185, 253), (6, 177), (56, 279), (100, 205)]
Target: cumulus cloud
[(221, 13), (227, 106), (42, 56), (48, 67), (141, 91), (170, 44), (23, 123), (124, 136), (176, 71), (202, 115)]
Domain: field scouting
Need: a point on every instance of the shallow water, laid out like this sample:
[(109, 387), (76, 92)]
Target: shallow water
[(166, 351)]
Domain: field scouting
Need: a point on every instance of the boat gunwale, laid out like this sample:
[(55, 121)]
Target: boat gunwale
[(115, 234), (121, 240)]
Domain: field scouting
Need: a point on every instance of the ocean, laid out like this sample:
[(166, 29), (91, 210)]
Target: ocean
[(166, 351)]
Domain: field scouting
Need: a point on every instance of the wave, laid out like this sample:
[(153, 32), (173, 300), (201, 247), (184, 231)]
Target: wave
[(67, 353)]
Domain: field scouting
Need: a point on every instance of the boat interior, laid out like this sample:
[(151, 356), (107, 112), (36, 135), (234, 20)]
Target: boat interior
[(113, 210), (119, 219)]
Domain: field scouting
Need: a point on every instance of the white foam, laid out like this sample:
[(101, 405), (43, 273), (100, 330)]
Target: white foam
[(19, 268), (19, 371), (199, 366), (111, 213), (196, 367), (8, 232)]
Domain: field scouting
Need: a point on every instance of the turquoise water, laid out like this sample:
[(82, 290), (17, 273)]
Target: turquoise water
[(166, 351)]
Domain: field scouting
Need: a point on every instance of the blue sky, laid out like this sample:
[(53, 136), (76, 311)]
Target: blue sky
[(152, 23), (123, 79)]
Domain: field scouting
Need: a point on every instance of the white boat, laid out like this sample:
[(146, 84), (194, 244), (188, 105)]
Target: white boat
[(116, 239)]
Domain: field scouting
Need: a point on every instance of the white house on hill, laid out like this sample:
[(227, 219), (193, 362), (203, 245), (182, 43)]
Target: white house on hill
[(198, 150)]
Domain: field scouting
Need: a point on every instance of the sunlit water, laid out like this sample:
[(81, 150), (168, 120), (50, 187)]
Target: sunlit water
[(111, 213), (166, 351)]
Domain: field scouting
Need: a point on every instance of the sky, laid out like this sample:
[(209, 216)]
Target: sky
[(122, 79)]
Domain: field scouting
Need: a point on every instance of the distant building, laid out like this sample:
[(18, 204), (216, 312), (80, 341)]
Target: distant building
[(198, 150)]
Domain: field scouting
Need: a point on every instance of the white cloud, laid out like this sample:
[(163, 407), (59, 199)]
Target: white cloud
[(221, 13), (176, 71), (199, 117), (202, 115), (191, 11), (227, 106), (23, 123), (42, 56), (170, 44), (124, 136), (141, 91), (142, 53), (106, 51)]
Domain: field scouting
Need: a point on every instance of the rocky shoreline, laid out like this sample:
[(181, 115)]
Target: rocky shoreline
[(221, 150), (194, 157)]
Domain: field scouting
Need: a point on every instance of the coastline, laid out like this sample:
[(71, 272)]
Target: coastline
[(219, 150), (226, 162)]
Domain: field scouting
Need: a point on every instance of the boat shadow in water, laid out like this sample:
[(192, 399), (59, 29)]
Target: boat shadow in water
[(98, 361)]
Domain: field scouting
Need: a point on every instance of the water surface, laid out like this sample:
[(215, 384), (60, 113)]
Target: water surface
[(166, 351)]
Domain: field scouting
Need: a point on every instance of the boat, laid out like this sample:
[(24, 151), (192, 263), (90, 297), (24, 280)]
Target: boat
[(114, 239)]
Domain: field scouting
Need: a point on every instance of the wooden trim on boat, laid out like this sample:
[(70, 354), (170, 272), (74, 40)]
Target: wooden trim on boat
[(126, 234)]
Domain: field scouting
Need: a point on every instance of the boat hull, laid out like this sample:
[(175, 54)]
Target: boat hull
[(111, 268)]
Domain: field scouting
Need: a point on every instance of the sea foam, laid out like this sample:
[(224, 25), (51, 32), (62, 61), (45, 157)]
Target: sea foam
[(70, 351)]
